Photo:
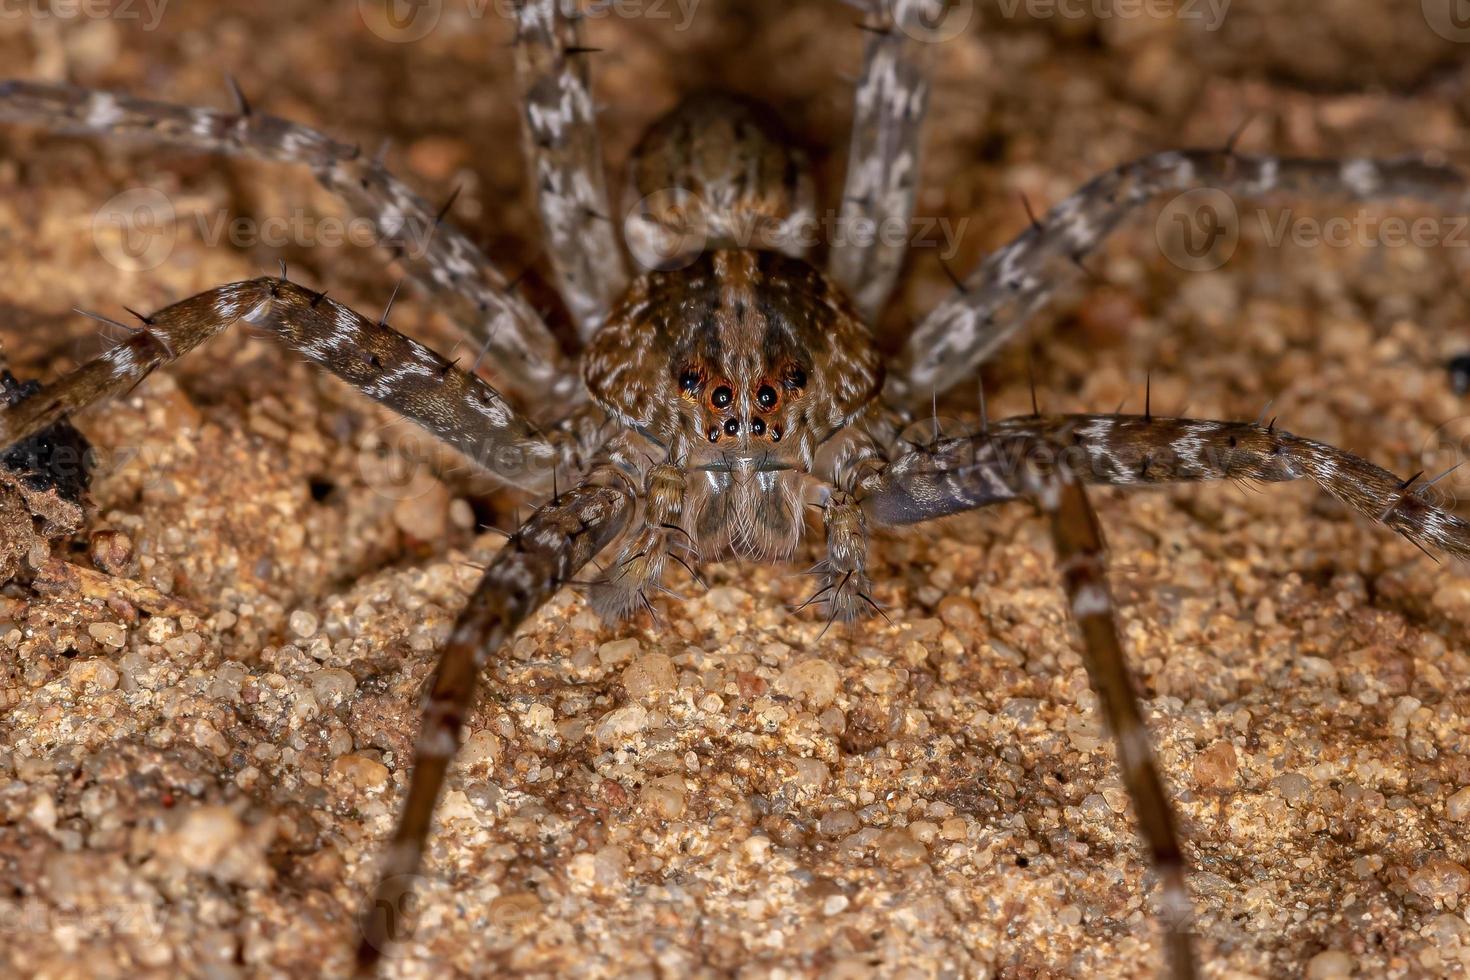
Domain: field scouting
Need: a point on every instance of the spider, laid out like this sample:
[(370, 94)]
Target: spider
[(727, 385)]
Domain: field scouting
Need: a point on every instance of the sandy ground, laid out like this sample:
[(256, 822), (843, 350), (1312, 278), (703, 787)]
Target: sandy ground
[(204, 728)]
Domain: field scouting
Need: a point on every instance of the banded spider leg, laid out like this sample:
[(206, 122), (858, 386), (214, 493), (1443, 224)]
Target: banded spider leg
[(1004, 291), (542, 556), (452, 404), (476, 296), (1047, 460)]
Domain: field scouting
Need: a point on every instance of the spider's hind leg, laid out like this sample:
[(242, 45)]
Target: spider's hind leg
[(1048, 459), (565, 159), (1081, 557), (892, 99), (999, 296)]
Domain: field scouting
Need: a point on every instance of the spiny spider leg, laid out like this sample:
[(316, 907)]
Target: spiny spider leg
[(958, 474), (1082, 559), (545, 554), (564, 157), (883, 157), (1002, 293), (458, 407), (471, 291), (1047, 458)]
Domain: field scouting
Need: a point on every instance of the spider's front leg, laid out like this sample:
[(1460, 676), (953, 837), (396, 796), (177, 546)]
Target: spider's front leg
[(998, 298), (541, 557), (641, 562), (470, 290), (1048, 459), (454, 405)]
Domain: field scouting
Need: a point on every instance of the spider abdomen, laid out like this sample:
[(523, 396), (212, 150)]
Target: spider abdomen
[(717, 172)]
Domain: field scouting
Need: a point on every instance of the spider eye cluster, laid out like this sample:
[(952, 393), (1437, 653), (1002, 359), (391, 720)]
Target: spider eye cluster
[(765, 396)]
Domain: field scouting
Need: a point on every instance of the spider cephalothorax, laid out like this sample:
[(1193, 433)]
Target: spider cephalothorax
[(731, 382), (737, 367)]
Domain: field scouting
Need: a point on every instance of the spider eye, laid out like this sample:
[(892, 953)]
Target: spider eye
[(689, 381), (795, 378), (722, 397), (766, 396)]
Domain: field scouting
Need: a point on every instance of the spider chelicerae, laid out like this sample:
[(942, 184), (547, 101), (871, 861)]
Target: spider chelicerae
[(726, 389)]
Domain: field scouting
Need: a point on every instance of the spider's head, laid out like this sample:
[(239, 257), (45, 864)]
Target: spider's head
[(741, 355)]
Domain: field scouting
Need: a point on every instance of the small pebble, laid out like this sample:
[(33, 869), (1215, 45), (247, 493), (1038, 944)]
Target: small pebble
[(813, 681), (1457, 807), (959, 614), (618, 651), (837, 823), (664, 796), (303, 624), (1440, 879), (898, 848), (112, 552), (617, 725), (360, 771), (1330, 964), (108, 634), (649, 675)]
